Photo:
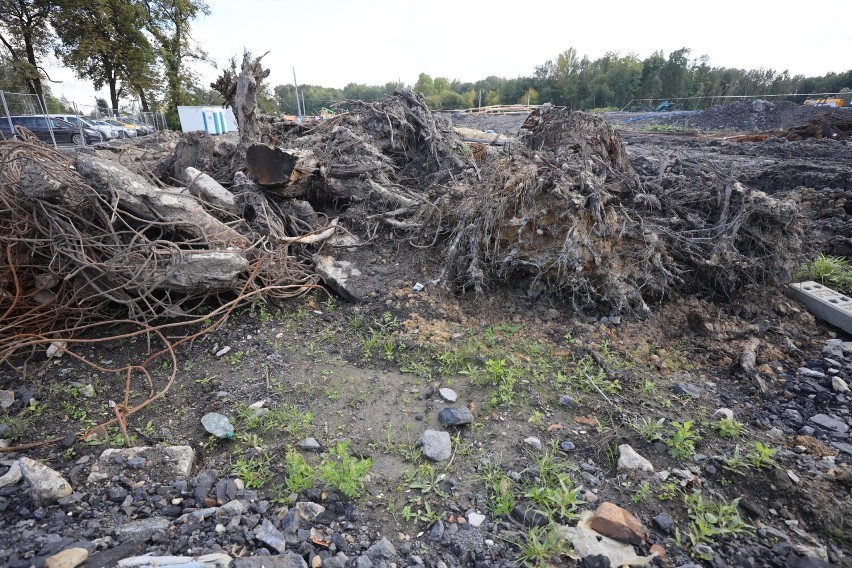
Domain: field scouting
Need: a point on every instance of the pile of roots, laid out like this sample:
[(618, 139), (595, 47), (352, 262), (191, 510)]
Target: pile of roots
[(561, 211)]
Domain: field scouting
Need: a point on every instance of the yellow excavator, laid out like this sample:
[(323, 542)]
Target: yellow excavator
[(834, 103)]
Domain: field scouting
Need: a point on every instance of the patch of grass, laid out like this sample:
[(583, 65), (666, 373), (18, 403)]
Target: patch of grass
[(286, 418), (234, 358), (254, 471), (832, 271), (543, 546), (651, 430), (668, 491), (344, 472), (427, 480), (552, 489), (682, 440), (762, 456), (419, 511), (641, 493), (500, 489), (736, 463), (729, 427)]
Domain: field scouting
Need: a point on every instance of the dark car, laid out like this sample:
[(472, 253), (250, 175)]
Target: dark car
[(63, 132)]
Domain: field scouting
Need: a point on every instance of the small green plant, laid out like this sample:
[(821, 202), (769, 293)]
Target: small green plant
[(234, 358), (832, 271), (500, 489), (641, 493), (343, 471), (682, 440), (710, 519), (298, 474), (651, 430), (419, 511), (543, 546), (649, 386), (668, 491), (427, 480), (729, 428), (250, 439), (736, 463), (254, 471), (762, 456)]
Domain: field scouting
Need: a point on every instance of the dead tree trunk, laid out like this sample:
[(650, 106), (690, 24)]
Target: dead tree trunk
[(240, 93)]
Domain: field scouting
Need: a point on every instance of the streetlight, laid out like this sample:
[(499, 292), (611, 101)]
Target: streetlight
[(480, 97)]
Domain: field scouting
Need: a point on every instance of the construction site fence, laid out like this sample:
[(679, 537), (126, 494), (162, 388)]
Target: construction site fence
[(29, 104)]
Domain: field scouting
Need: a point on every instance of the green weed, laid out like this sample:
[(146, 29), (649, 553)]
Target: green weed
[(343, 471), (543, 546), (682, 440), (762, 456), (729, 428), (651, 430), (832, 271), (254, 471), (708, 520)]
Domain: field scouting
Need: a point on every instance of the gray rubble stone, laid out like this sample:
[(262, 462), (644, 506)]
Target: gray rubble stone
[(456, 416), (382, 553), (828, 423), (309, 444), (448, 394), (435, 445), (286, 560), (7, 398), (12, 476), (687, 389), (308, 510), (533, 442), (270, 536), (68, 558), (833, 348)]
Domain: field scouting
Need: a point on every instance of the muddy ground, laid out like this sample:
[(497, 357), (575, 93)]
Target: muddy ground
[(581, 384)]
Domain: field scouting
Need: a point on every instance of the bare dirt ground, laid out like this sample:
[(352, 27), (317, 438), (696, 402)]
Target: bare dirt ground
[(553, 394)]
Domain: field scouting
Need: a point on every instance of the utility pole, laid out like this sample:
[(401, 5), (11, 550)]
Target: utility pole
[(480, 97), (298, 108)]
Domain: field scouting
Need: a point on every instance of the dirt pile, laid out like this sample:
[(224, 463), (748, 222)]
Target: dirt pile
[(749, 116)]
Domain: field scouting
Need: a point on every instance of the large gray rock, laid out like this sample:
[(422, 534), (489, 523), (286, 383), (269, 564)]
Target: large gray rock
[(287, 560), (173, 461), (629, 460), (436, 445), (829, 423), (142, 530), (382, 554), (46, 484)]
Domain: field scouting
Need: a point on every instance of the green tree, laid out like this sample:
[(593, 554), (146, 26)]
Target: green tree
[(170, 24), (27, 37), (102, 40), (425, 85)]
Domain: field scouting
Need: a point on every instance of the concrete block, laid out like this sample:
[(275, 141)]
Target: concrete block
[(824, 303)]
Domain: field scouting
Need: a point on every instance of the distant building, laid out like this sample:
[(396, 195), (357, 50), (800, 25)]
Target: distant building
[(211, 119)]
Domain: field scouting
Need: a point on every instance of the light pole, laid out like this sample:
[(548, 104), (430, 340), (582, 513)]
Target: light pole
[(480, 97)]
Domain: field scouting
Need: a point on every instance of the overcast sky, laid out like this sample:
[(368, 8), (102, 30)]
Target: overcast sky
[(335, 42)]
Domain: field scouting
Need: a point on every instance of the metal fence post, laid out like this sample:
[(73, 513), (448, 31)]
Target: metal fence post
[(79, 124), (48, 120), (8, 114)]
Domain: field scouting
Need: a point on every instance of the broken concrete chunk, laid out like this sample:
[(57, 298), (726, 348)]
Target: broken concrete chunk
[(46, 484), (68, 558), (12, 476), (208, 189), (589, 543), (629, 460), (339, 275)]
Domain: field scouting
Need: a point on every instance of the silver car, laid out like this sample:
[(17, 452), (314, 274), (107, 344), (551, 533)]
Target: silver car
[(106, 132)]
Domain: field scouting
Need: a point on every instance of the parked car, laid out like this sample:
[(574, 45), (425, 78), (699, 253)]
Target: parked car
[(106, 131), (143, 128), (131, 130), (120, 131), (42, 126)]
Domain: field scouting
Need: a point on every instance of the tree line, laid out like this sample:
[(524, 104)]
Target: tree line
[(140, 49), (580, 83), (135, 48)]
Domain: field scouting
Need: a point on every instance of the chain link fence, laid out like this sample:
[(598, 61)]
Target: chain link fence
[(27, 110)]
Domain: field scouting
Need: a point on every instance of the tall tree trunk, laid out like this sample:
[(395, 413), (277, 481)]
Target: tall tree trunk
[(35, 79), (113, 95)]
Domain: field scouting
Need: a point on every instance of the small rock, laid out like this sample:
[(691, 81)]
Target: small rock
[(223, 351), (7, 398), (12, 476), (309, 444), (664, 523), (456, 416), (658, 550), (435, 445), (87, 391), (775, 434), (724, 413), (687, 389), (833, 348), (529, 517), (807, 562), (270, 536), (618, 524), (565, 400), (629, 460), (437, 531), (231, 509), (308, 510), (68, 558), (475, 519), (382, 553), (828, 423), (590, 497), (448, 394), (316, 561), (568, 446), (810, 373), (839, 385), (533, 442), (46, 484)]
